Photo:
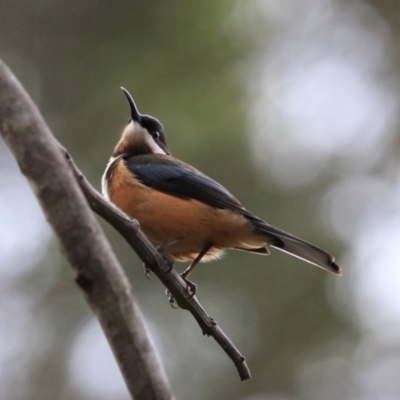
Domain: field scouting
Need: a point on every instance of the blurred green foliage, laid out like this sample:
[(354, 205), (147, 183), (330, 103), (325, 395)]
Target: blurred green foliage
[(184, 62)]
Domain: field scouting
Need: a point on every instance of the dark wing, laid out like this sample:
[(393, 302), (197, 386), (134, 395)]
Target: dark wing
[(178, 179)]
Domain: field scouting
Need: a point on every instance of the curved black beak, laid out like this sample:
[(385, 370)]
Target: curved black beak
[(134, 111)]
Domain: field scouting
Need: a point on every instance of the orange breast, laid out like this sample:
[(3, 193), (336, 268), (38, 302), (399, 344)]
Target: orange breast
[(164, 218)]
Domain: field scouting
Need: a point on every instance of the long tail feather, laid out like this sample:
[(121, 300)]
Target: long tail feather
[(297, 247)]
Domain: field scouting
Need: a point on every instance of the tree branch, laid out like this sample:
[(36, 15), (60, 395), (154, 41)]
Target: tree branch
[(130, 230), (97, 270)]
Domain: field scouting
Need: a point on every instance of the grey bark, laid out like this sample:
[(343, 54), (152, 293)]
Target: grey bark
[(97, 271)]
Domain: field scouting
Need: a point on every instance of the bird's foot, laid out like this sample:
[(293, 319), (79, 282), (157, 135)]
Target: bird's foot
[(171, 299), (191, 287), (147, 271)]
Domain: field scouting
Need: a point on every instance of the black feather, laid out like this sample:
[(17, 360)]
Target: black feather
[(297, 247), (181, 180), (173, 177)]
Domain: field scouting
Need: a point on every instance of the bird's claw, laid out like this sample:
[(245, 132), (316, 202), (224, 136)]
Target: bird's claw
[(171, 299), (191, 287), (147, 271)]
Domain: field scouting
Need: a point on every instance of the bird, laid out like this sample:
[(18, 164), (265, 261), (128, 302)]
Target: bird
[(184, 213)]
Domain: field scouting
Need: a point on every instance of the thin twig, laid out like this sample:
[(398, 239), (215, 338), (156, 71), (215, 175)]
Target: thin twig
[(130, 230)]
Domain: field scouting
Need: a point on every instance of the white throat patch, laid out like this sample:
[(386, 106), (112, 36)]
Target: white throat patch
[(135, 130)]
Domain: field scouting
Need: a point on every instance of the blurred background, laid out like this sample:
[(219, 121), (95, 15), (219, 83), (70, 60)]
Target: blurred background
[(291, 104)]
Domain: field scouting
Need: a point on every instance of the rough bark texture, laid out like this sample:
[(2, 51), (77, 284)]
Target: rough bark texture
[(97, 270)]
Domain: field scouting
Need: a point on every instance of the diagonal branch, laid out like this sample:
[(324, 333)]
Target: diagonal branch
[(96, 268), (130, 230)]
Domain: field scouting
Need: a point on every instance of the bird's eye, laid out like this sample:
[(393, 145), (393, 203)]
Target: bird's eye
[(156, 135)]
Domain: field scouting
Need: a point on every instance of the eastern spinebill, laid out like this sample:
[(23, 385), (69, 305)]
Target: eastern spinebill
[(184, 213)]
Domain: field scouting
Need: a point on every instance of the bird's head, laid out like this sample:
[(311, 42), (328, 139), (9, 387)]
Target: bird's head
[(143, 134)]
